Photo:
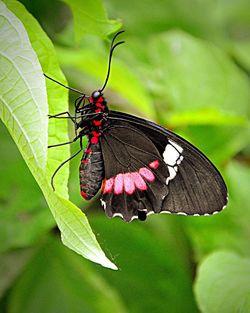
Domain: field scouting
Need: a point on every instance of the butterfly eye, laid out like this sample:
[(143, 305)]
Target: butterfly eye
[(96, 95)]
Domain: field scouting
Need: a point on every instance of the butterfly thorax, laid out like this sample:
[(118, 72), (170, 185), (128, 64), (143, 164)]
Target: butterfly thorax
[(93, 118)]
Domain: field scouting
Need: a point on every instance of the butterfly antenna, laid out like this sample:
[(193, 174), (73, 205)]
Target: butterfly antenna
[(112, 48), (70, 88)]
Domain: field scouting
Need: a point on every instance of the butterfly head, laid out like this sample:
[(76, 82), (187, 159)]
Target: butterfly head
[(96, 95)]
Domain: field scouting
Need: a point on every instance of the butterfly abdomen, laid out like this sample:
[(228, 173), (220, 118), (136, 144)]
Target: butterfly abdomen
[(91, 171)]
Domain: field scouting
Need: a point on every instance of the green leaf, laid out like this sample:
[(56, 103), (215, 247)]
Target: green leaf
[(24, 216), (90, 17), (212, 233), (207, 116), (223, 283), (154, 259), (11, 264), (61, 281), (57, 96), (194, 76), (23, 93), (241, 51), (228, 140), (75, 229), (92, 60), (152, 17)]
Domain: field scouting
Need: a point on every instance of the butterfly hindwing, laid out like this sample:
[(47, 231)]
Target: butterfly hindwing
[(135, 174), (195, 187)]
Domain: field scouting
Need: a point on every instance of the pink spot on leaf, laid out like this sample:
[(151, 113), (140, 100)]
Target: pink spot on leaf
[(154, 164), (139, 181), (118, 187), (147, 174), (129, 185)]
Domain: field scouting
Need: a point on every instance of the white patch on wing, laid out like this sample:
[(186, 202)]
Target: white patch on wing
[(103, 203), (117, 214), (166, 212), (181, 213), (179, 148), (134, 218), (172, 174), (150, 212), (172, 157), (180, 159)]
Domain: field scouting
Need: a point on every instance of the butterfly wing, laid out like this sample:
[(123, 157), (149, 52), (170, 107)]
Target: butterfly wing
[(135, 173), (195, 187)]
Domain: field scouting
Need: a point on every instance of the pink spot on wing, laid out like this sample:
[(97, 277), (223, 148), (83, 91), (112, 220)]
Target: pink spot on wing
[(147, 174), (108, 185), (129, 185), (139, 181), (118, 186), (154, 164)]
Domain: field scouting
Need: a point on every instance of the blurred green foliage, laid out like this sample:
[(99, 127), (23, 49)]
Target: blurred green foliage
[(186, 65)]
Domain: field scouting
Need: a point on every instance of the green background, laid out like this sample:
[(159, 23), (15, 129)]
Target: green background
[(185, 65)]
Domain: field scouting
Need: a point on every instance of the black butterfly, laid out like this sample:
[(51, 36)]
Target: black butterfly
[(141, 167)]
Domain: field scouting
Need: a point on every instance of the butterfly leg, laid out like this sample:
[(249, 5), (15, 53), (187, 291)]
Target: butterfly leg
[(62, 113), (65, 143), (61, 165)]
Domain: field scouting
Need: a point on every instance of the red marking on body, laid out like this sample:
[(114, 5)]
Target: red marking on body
[(118, 184), (94, 140), (129, 184), (147, 174), (85, 161), (154, 164), (95, 135), (97, 123), (99, 105), (100, 99), (84, 195), (90, 99), (88, 150), (108, 185), (139, 181), (98, 110)]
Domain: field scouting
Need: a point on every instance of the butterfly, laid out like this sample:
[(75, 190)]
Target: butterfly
[(140, 167)]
